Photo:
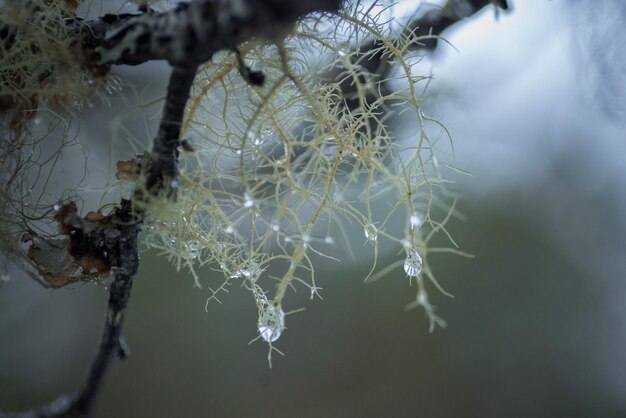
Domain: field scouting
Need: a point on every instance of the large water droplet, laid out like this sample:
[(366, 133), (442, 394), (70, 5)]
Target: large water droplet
[(371, 233), (413, 264), (271, 323)]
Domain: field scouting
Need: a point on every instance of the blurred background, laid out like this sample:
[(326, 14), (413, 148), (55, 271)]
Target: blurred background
[(536, 104)]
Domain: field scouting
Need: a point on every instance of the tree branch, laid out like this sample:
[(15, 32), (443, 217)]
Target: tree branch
[(160, 167), (189, 34)]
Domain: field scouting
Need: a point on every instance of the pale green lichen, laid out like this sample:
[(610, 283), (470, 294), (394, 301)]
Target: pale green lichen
[(279, 172)]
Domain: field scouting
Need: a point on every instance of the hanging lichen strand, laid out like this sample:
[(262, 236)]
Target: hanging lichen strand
[(271, 175)]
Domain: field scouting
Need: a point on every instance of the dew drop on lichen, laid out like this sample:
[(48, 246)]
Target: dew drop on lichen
[(248, 201), (192, 249), (271, 323), (253, 273), (371, 233), (413, 264), (415, 220)]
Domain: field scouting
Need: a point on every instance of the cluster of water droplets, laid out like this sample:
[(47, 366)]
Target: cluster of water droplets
[(253, 272)]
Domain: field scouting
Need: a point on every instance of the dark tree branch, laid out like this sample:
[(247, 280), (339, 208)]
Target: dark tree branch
[(160, 166), (189, 34), (430, 22)]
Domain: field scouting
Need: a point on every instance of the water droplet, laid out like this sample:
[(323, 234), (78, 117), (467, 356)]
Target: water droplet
[(371, 233), (306, 238), (267, 133), (251, 135), (413, 264), (192, 249), (415, 220), (329, 240), (248, 201), (341, 53), (259, 296), (173, 241), (57, 207), (275, 228), (37, 120), (253, 273), (5, 278), (229, 229), (271, 323), (238, 152), (175, 184)]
